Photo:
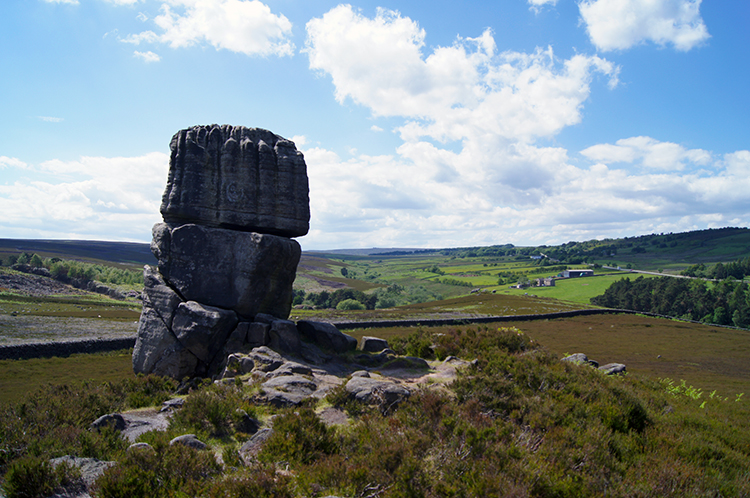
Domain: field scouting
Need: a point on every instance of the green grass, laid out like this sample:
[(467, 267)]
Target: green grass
[(577, 290), (21, 377), (520, 423), (80, 306)]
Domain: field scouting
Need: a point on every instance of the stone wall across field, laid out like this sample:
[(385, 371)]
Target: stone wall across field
[(50, 349)]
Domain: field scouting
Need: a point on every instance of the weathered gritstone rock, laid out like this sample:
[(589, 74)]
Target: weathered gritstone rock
[(373, 344), (370, 390), (613, 369), (239, 178), (580, 358), (189, 440), (247, 272), (327, 336), (234, 196), (202, 329)]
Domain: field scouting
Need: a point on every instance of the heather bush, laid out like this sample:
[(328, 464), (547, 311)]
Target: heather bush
[(160, 471), (30, 477), (212, 410), (298, 437)]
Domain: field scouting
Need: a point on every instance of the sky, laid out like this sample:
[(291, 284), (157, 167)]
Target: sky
[(424, 124)]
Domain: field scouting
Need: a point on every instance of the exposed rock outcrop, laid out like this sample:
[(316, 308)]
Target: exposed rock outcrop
[(238, 178), (226, 263)]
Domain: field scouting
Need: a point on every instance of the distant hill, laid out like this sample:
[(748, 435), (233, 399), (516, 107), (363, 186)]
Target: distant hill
[(375, 251), (646, 251), (125, 253)]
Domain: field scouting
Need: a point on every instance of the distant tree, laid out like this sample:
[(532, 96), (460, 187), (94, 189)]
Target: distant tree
[(344, 272), (350, 304), (36, 261)]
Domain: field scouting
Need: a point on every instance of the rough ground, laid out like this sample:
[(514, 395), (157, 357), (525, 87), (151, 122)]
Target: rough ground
[(33, 285)]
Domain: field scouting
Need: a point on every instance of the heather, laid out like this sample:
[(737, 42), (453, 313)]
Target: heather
[(518, 422)]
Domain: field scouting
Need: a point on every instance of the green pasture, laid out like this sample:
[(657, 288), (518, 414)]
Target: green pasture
[(577, 290)]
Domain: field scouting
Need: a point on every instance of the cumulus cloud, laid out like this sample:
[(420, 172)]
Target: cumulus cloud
[(454, 93), (374, 201), (147, 56), (11, 162), (621, 24), (95, 197), (649, 152), (243, 26), (472, 169)]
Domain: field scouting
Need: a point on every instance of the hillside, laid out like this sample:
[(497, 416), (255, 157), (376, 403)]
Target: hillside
[(131, 254), (516, 422)]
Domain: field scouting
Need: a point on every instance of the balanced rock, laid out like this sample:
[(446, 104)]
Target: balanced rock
[(247, 272), (240, 178), (226, 262)]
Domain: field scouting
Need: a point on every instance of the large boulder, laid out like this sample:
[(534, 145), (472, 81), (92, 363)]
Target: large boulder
[(239, 178), (247, 272), (202, 329), (327, 336)]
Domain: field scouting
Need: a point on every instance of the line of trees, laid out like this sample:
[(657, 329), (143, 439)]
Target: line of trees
[(383, 297), (736, 269), (67, 270), (723, 303)]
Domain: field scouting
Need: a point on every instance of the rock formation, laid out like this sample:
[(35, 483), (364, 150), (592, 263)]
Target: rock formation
[(238, 178), (226, 262)]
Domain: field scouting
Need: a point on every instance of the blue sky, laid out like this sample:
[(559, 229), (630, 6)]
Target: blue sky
[(423, 124)]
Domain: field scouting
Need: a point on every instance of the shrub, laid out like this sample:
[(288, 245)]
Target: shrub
[(30, 477), (298, 437), (350, 304), (211, 410), (165, 470)]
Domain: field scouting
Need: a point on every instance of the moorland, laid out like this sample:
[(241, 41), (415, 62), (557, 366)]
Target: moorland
[(520, 424)]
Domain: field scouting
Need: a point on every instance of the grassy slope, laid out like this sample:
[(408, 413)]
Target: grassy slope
[(124, 254)]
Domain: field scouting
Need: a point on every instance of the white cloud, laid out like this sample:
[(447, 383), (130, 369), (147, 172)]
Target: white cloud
[(244, 26), (11, 162), (95, 197), (142, 17), (537, 5), (376, 128), (621, 24), (470, 170), (123, 2), (420, 199), (69, 2), (147, 56), (649, 152), (50, 119), (457, 92)]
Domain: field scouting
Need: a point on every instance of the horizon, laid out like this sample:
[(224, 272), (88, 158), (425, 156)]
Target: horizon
[(422, 125), (340, 250)]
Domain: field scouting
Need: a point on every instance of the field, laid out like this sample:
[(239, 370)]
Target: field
[(705, 356), (711, 358)]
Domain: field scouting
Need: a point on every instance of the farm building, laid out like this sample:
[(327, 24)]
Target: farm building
[(577, 273)]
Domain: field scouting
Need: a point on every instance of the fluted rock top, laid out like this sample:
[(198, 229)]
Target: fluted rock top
[(238, 178)]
